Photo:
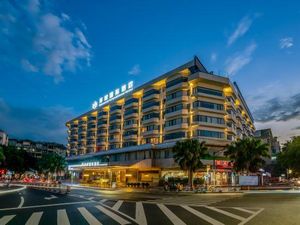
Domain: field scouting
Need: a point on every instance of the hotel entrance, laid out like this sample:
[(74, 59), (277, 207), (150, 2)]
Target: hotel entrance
[(113, 177)]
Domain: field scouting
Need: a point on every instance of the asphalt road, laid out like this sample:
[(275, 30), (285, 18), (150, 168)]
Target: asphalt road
[(95, 207)]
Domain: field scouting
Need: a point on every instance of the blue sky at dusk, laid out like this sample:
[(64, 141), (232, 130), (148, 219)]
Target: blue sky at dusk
[(57, 57)]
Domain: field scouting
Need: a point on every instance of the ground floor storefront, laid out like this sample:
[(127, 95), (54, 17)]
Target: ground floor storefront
[(132, 176), (115, 176)]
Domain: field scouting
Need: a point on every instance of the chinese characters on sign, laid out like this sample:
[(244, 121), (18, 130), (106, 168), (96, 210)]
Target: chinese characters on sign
[(113, 94)]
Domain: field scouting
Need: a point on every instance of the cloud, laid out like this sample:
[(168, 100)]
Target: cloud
[(277, 109), (28, 66), (286, 42), (241, 29), (43, 124), (135, 70), (213, 57), (44, 42), (241, 59), (296, 128)]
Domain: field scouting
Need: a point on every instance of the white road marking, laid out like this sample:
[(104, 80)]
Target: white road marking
[(172, 217), (62, 217), (202, 216), (118, 205), (51, 197), (91, 198), (88, 216), (251, 217), (5, 219), (21, 203), (226, 213), (48, 205), (140, 216), (103, 200), (34, 219), (114, 216), (244, 210)]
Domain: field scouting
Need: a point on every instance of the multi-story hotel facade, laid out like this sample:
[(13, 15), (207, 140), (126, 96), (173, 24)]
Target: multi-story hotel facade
[(129, 134)]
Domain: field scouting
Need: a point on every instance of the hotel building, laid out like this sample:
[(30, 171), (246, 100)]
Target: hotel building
[(129, 134)]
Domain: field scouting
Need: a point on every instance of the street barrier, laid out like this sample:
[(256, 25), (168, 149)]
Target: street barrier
[(50, 187)]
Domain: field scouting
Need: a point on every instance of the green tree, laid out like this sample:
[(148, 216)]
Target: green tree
[(52, 163), (2, 156), (188, 154), (289, 158), (248, 154), (14, 159)]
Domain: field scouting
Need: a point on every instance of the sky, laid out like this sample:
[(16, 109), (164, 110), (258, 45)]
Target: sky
[(57, 57)]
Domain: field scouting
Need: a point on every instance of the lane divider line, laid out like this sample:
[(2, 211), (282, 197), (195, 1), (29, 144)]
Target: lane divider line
[(21, 203), (49, 205)]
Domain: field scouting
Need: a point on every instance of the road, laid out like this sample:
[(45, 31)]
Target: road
[(95, 207)]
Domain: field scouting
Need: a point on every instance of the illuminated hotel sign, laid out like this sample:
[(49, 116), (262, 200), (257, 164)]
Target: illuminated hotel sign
[(113, 94), (87, 164)]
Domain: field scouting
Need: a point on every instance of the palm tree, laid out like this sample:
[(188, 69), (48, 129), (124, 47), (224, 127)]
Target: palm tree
[(188, 154), (248, 154)]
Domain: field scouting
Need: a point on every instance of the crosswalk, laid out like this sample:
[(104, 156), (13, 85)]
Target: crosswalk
[(209, 214), (63, 218), (124, 212)]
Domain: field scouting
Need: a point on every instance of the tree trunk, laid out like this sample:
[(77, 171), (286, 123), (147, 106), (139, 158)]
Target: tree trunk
[(190, 175)]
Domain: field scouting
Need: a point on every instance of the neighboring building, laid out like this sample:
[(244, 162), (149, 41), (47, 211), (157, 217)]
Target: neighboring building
[(3, 138), (36, 149), (129, 138), (267, 137)]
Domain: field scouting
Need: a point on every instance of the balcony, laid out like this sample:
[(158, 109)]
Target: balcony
[(182, 85), (102, 125), (91, 137), (101, 134), (130, 137), (83, 124), (183, 98), (114, 140), (101, 143), (116, 109), (130, 126), (151, 133), (133, 102), (114, 130), (151, 120), (131, 115), (177, 127), (231, 130), (151, 108), (181, 112), (92, 127)]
